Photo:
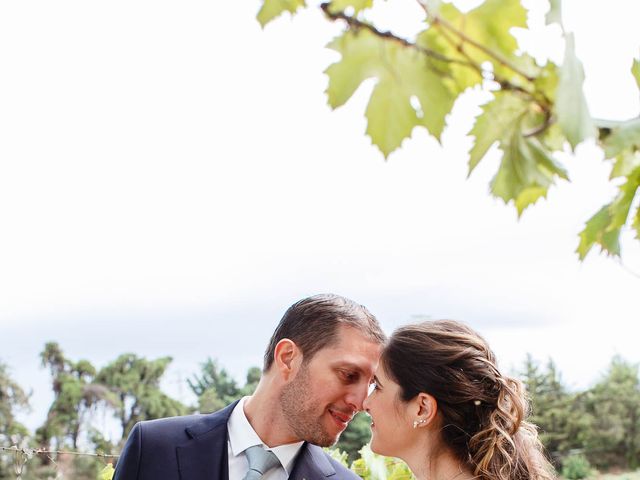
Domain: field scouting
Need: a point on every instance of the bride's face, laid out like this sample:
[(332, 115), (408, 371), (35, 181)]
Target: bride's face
[(391, 425)]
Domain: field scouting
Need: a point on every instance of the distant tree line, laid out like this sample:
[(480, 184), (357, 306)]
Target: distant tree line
[(601, 423)]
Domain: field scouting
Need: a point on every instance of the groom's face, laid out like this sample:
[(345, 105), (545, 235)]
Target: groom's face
[(329, 389)]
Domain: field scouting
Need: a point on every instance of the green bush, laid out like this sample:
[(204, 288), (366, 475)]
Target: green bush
[(576, 467)]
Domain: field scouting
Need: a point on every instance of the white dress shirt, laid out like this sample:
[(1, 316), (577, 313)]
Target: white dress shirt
[(242, 436)]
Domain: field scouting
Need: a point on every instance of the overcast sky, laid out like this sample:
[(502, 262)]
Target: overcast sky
[(171, 179)]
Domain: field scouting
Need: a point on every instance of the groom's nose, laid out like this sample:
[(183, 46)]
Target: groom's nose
[(356, 395)]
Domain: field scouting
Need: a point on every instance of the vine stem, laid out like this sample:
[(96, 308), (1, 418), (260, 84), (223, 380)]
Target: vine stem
[(29, 451), (357, 24), (466, 39)]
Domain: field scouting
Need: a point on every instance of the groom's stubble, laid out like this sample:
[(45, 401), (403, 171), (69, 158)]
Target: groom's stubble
[(302, 412)]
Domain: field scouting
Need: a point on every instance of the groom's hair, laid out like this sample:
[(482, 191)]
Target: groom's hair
[(312, 324)]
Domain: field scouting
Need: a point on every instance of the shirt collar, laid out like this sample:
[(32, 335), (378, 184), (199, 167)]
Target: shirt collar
[(242, 436)]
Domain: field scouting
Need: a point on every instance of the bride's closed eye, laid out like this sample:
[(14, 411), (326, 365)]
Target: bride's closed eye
[(373, 386)]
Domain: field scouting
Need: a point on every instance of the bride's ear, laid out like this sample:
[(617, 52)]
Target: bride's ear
[(426, 409)]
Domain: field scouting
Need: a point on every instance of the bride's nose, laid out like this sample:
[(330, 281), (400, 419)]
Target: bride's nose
[(365, 404)]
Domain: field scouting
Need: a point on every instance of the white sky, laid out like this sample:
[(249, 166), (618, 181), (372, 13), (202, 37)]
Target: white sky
[(171, 179)]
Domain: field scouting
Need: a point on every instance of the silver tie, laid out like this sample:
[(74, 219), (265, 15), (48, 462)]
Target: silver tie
[(260, 462)]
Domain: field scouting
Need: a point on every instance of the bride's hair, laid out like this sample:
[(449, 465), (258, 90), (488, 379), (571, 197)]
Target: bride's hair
[(482, 411)]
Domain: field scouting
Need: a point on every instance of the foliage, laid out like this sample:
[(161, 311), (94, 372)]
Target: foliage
[(107, 472), (355, 436), (216, 388), (576, 467), (136, 383), (553, 409), (75, 396), (602, 422), (371, 466), (613, 408), (533, 111), (12, 399)]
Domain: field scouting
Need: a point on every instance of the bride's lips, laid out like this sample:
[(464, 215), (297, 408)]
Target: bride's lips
[(341, 418)]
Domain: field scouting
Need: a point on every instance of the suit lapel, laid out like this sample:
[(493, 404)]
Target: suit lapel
[(204, 456), (311, 464)]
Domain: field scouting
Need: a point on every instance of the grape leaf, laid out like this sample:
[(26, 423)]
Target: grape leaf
[(273, 8), (526, 172), (605, 226), (433, 6), (497, 119), (625, 162), (361, 53), (554, 15), (489, 24), (342, 5), (635, 70), (402, 74), (546, 80), (595, 231), (391, 116), (457, 76), (624, 135), (571, 105)]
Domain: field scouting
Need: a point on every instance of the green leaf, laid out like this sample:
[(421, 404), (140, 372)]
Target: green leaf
[(526, 172), (106, 473), (391, 117), (620, 207), (497, 119), (625, 163), (635, 70), (554, 15), (489, 25), (595, 232), (491, 22), (273, 8), (623, 136), (361, 53), (546, 80), (342, 5), (571, 105), (605, 226), (403, 74), (433, 6), (458, 77)]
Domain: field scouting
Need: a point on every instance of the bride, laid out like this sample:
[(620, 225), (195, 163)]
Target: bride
[(440, 404)]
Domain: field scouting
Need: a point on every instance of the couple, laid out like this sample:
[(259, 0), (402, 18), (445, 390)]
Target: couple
[(437, 401)]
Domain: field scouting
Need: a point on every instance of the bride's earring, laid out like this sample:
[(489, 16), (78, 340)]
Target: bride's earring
[(419, 422)]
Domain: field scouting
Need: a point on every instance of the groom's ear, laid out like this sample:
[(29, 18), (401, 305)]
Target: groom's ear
[(287, 358), (427, 408)]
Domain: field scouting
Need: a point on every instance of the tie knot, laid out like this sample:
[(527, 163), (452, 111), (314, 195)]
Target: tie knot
[(260, 461)]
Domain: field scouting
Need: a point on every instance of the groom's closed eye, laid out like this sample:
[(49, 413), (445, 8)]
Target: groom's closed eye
[(349, 376)]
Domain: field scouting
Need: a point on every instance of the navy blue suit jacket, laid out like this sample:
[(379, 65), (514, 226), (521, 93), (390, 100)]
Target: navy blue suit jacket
[(194, 447)]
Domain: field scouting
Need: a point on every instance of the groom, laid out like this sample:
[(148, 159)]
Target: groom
[(317, 369)]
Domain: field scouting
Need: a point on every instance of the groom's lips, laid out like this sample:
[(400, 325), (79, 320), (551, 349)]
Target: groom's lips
[(341, 418)]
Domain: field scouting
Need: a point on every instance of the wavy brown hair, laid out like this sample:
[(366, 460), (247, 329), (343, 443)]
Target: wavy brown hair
[(483, 412)]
